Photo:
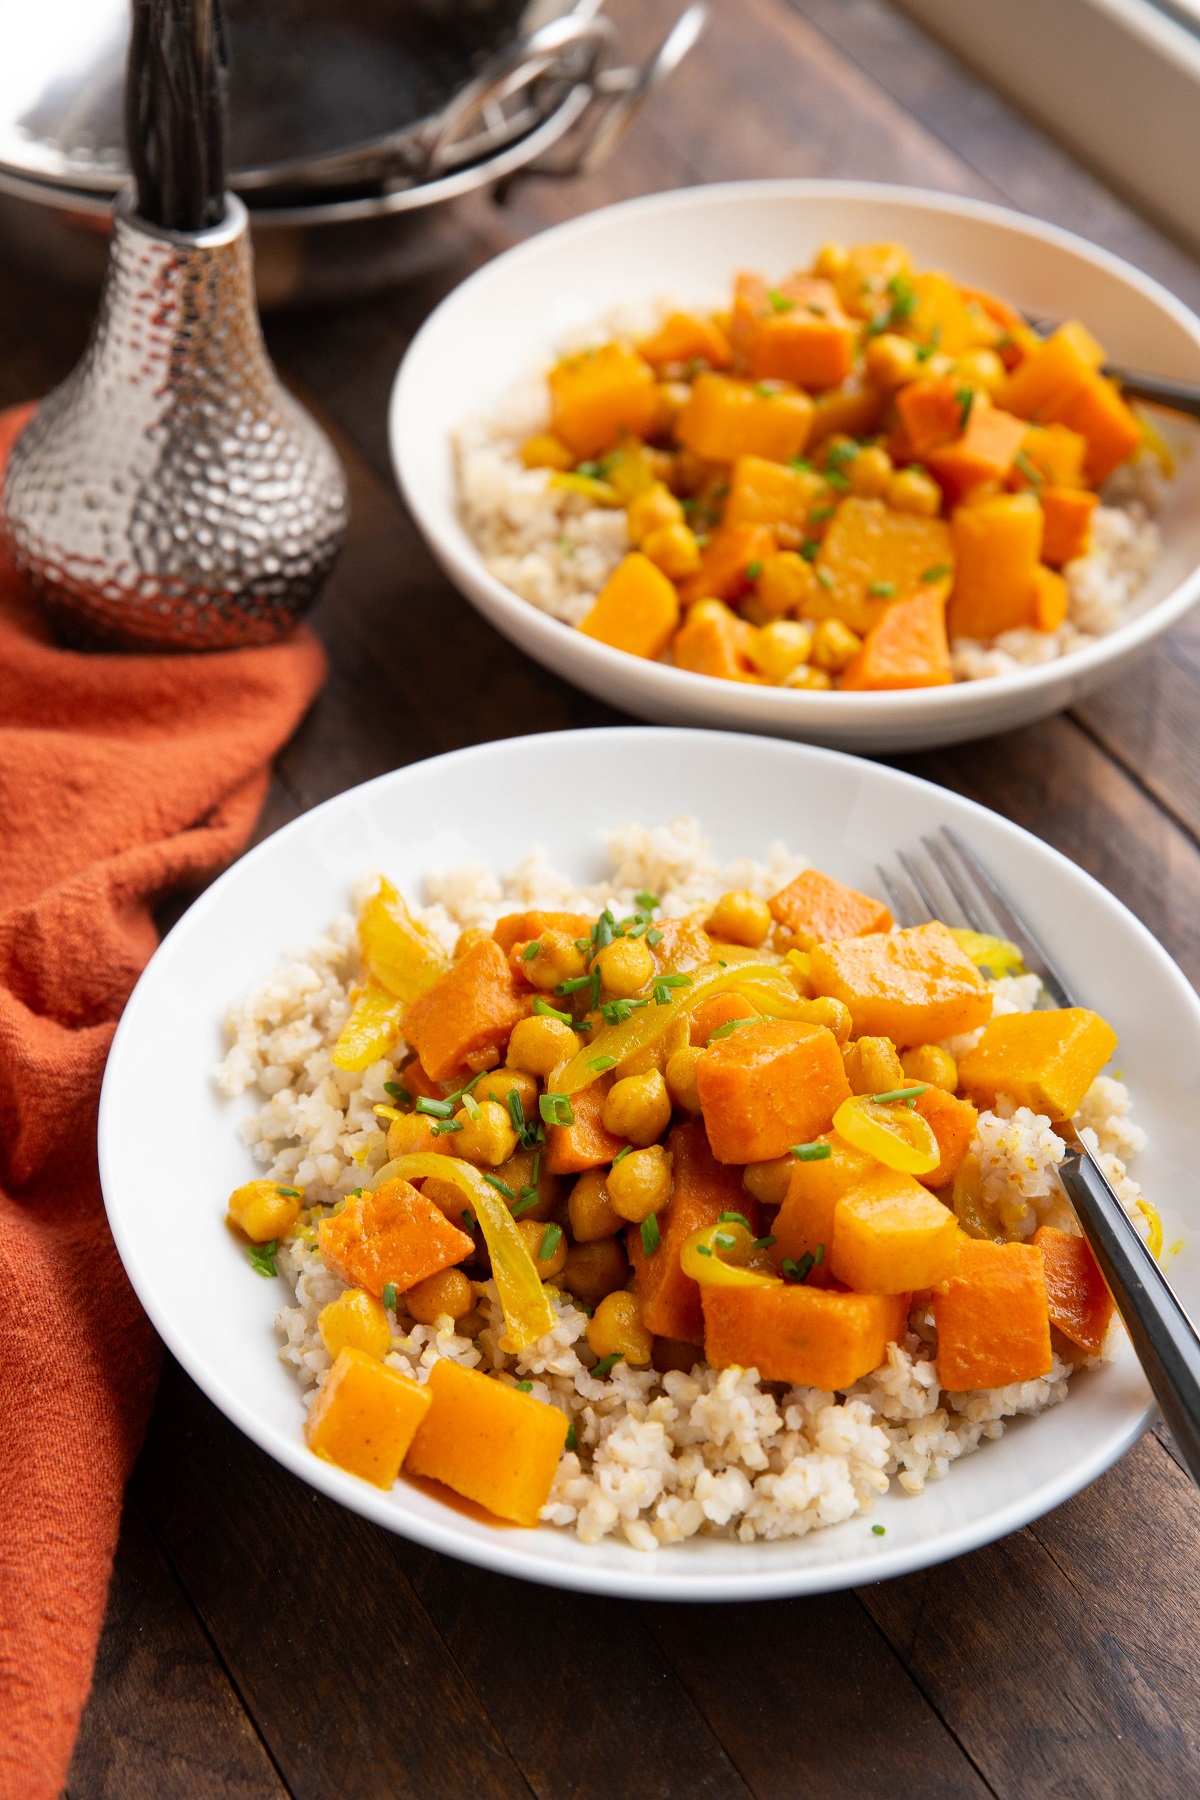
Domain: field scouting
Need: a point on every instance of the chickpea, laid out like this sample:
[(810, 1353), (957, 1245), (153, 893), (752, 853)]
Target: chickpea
[(768, 1181), (489, 1139), (831, 260), (932, 1065), (468, 939), (264, 1210), (625, 966), (547, 1244), (805, 676), (517, 1173), (892, 360), (981, 368), (680, 1078), (617, 1329), (449, 1198), (539, 1044), (740, 918), (674, 549), (593, 1270), (870, 472), (548, 959), (590, 1210), (872, 1066), (780, 646), (834, 1015), (355, 1321), (834, 646), (650, 510), (640, 1184), (409, 1133), (545, 451), (836, 452), (673, 396), (638, 1108), (448, 1294), (784, 585), (502, 1082), (911, 490)]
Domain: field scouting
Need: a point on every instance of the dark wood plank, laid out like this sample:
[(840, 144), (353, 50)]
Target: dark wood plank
[(164, 1721)]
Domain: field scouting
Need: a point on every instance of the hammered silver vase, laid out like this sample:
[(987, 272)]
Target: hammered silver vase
[(171, 494)]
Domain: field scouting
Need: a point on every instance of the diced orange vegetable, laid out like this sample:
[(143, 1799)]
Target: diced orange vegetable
[(489, 1442), (636, 610), (811, 1337), (953, 1123), (767, 1086), (1080, 1304), (997, 549), (872, 557), (907, 647), (719, 1010), (391, 1235), (701, 1191), (992, 1317), (264, 1209), (684, 944), (1043, 1060), (890, 1236), (725, 418), (524, 927), (930, 413), (985, 451), (771, 494), (545, 451), (815, 908), (712, 643), (585, 1144), (856, 408), (598, 395), (1050, 599), (683, 338), (1061, 364), (863, 274), (729, 563), (472, 1007), (916, 986), (948, 315), (804, 1223), (800, 333), (365, 1417), (1050, 455), (1096, 410), (1068, 515)]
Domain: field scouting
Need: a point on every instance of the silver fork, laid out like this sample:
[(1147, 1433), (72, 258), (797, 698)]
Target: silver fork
[(951, 883)]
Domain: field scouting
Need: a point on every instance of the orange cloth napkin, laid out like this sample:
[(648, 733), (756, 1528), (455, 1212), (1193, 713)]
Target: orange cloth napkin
[(121, 778)]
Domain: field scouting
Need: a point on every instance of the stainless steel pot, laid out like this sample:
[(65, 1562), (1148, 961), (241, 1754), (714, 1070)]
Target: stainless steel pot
[(350, 134)]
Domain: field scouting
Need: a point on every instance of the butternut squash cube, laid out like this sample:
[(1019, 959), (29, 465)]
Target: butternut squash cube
[(953, 1123), (815, 908), (524, 927), (798, 332), (1068, 515), (1081, 1306), (636, 610), (930, 412), (683, 338), (714, 642), (890, 1236), (264, 1209), (997, 549), (1096, 410), (1060, 364), (365, 1417), (871, 557), (356, 1320), (862, 273), (915, 986), (598, 395), (984, 453), (907, 647), (946, 314), (584, 1145), (992, 1316), (1043, 1060), (730, 562), (491, 1443), (1050, 455), (772, 494), (391, 1235), (811, 1337), (804, 1223), (701, 1190), (769, 1085), (472, 1007), (725, 418), (1050, 599)]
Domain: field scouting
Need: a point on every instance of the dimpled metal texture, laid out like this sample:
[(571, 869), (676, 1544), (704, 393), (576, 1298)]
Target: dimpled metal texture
[(171, 494)]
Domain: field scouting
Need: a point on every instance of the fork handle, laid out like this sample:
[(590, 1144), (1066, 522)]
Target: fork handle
[(1160, 390), (1163, 1336)]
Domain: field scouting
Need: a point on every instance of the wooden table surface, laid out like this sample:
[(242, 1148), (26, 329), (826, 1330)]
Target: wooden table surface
[(260, 1642)]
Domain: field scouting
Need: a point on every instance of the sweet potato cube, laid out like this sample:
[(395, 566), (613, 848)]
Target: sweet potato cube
[(769, 1085), (890, 1236), (997, 549), (1050, 599), (907, 647), (915, 986), (725, 418), (636, 610), (1043, 1060), (948, 315), (472, 1006), (804, 1223), (598, 395), (365, 1417), (930, 412), (489, 1442), (720, 1009), (701, 1190), (685, 337), (816, 908), (393, 1234), (524, 927), (992, 1317), (1050, 456), (1068, 515), (1096, 410), (729, 563), (801, 334), (713, 643), (953, 1123), (584, 1145), (1081, 1306), (811, 1337), (871, 557), (985, 452), (1062, 363), (773, 495)]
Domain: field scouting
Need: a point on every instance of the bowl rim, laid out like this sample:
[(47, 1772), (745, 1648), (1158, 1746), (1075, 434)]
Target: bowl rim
[(559, 642), (504, 1551)]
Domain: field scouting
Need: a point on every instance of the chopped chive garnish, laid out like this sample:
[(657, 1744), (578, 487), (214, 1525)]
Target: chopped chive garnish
[(524, 1387), (1028, 468), (356, 1193), (436, 1109), (653, 936), (389, 1294), (399, 1094), (801, 465), (261, 1257), (723, 1241), (938, 572), (766, 390), (811, 550), (470, 1105), (468, 1219), (583, 945), (528, 1198), (602, 930), (544, 1010), (576, 984), (605, 1365), (664, 983), (878, 1530), (819, 1255), (811, 1152), (908, 1093), (530, 951), (446, 1125), (796, 1271), (621, 1154), (556, 1109), (753, 570), (646, 901), (883, 590), (537, 1163), (549, 1243), (825, 578), (837, 480), (818, 514), (572, 1442), (703, 1250), (965, 397), (765, 1243), (600, 1063), (650, 1235), (779, 302), (501, 1187), (734, 1218), (615, 1012), (728, 1028), (289, 1193), (636, 930)]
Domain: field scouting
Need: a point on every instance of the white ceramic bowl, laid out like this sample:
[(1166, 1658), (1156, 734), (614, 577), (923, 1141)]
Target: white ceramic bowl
[(505, 322), (169, 1155)]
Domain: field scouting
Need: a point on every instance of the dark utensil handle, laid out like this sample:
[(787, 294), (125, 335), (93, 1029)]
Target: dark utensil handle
[(1162, 390), (1163, 1336)]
